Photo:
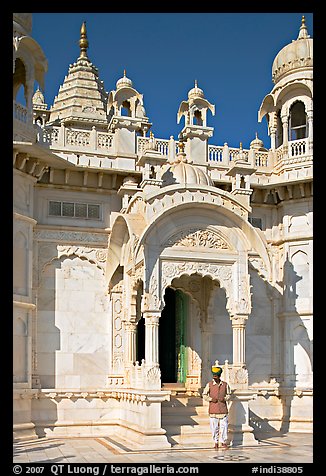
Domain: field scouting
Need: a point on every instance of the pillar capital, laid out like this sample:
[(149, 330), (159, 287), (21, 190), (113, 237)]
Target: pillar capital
[(150, 304), (152, 317), (239, 320), (130, 325)]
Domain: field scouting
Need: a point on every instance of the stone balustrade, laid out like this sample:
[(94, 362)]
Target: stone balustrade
[(76, 139), (20, 112), (298, 148), (144, 377), (101, 142)]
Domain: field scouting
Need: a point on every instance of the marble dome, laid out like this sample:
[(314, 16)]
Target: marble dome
[(38, 97), (195, 92), (185, 174), (124, 82), (294, 56)]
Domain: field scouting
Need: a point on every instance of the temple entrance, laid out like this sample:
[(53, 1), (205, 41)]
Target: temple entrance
[(173, 336)]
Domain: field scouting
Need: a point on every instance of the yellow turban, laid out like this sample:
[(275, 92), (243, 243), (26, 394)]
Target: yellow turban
[(216, 370)]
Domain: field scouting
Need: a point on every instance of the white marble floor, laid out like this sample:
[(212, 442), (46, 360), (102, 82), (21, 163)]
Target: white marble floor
[(289, 449)]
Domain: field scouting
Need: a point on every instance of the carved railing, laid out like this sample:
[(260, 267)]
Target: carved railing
[(225, 154), (144, 377), (76, 138), (298, 147), (49, 136), (161, 145), (235, 375), (20, 112)]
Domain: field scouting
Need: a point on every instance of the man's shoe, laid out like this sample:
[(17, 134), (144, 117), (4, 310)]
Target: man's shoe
[(224, 446), (216, 446)]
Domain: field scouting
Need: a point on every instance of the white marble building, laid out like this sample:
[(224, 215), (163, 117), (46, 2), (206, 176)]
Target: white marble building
[(140, 261)]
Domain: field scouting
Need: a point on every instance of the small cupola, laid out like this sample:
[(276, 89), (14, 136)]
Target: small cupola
[(182, 172), (195, 131)]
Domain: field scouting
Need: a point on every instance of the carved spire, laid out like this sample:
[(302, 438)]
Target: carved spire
[(83, 42), (303, 32)]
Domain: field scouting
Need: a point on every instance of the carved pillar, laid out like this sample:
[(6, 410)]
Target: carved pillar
[(130, 342), (272, 124), (62, 135), (117, 326), (206, 327), (285, 125), (130, 328), (239, 339), (151, 338), (310, 131), (273, 137)]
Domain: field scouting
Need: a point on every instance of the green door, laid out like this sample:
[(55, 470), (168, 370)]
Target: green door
[(172, 337), (181, 310)]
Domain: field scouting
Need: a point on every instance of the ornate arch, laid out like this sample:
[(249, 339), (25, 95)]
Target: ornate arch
[(224, 273)]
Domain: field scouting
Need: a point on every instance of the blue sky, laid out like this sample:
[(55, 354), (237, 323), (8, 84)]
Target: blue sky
[(229, 54)]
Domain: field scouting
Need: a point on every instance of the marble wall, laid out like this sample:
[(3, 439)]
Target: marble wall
[(72, 325)]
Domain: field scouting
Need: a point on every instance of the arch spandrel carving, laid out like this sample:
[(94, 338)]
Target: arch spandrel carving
[(195, 237)]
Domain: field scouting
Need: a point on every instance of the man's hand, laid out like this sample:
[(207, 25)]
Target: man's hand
[(214, 400)]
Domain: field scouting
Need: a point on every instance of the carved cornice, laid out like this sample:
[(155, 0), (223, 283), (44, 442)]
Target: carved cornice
[(103, 394), (71, 237)]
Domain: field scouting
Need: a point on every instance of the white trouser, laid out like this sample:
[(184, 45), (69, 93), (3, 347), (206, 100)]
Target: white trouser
[(219, 427)]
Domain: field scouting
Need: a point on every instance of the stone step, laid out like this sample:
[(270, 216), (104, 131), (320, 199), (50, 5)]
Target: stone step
[(182, 423), (188, 434), (183, 429), (184, 401), (186, 411), (185, 419)]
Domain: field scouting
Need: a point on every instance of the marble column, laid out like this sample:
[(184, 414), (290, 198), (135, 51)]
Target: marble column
[(285, 125), (239, 337), (273, 137), (310, 131), (130, 342), (206, 328), (151, 338)]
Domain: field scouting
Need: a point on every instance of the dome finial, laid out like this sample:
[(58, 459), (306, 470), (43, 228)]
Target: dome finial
[(83, 42), (303, 32)]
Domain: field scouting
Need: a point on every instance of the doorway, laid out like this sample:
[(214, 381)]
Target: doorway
[(173, 337)]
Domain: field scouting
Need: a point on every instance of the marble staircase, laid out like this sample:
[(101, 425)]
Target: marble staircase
[(185, 419)]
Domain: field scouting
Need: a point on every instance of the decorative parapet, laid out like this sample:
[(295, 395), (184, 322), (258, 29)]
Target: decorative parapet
[(161, 145), (216, 154), (20, 112), (144, 377), (71, 237), (23, 127), (235, 375), (116, 381), (69, 138), (102, 394), (266, 389)]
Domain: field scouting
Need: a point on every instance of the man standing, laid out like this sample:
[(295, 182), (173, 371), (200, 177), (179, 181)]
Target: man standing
[(217, 393)]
